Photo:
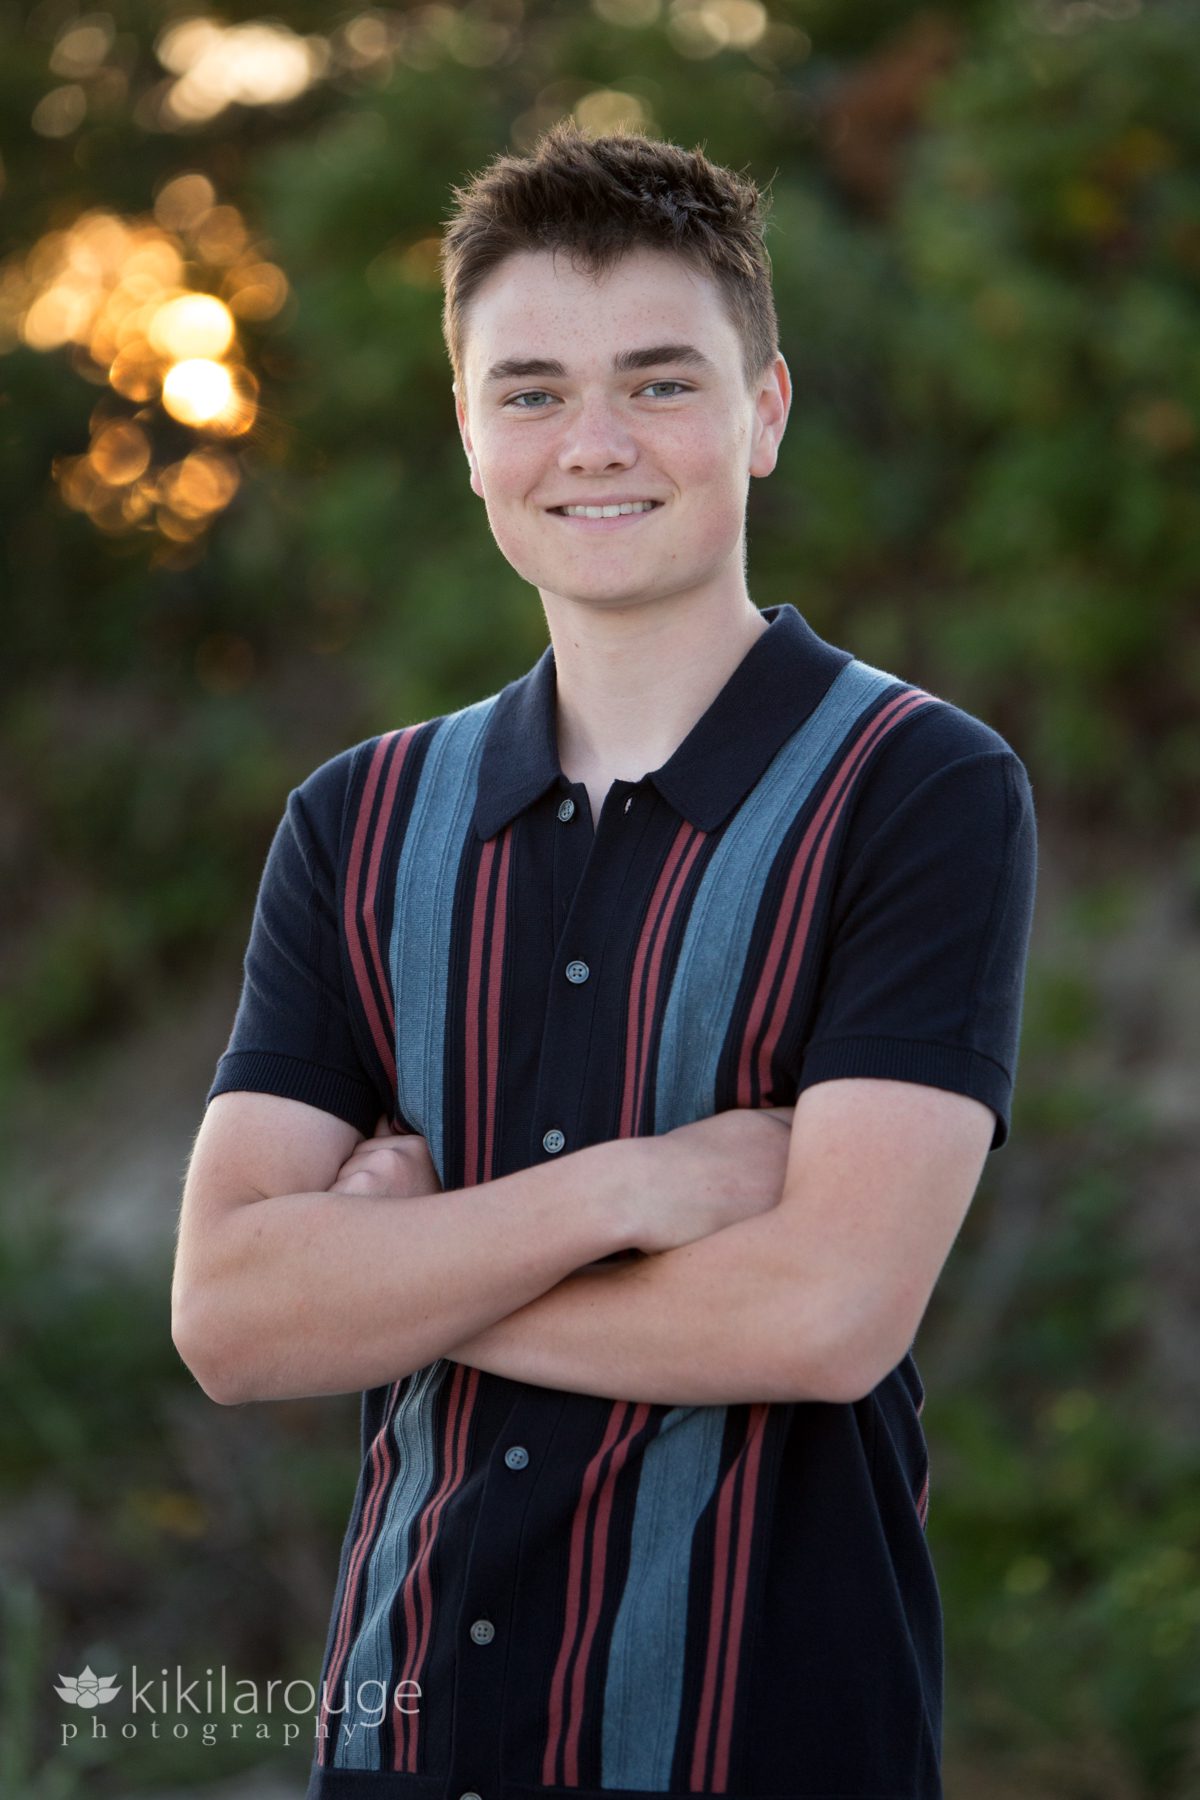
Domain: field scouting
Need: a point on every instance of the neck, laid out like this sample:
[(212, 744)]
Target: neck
[(633, 681)]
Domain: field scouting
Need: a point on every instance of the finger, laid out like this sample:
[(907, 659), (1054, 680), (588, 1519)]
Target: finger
[(382, 1129), (351, 1181)]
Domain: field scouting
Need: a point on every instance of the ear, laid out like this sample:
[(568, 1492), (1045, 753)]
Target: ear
[(464, 432), (772, 404)]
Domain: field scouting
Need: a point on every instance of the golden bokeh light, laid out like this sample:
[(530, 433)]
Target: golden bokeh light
[(135, 373), (254, 64), (82, 45), (56, 317), (219, 396), (197, 391), (701, 28), (609, 109), (60, 112), (191, 325), (256, 290), (120, 452), (202, 483), (183, 202), (220, 235), (151, 309)]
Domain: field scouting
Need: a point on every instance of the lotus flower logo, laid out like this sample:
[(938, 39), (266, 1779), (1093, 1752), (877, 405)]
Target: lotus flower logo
[(87, 1689)]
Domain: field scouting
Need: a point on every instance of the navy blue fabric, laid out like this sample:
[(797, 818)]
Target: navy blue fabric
[(814, 1513)]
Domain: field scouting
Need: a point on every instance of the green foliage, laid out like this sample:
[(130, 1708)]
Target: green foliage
[(1065, 1544), (159, 1528)]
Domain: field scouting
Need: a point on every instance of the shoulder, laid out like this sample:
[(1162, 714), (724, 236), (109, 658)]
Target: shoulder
[(358, 774), (324, 793), (938, 763), (934, 737), (938, 733), (364, 786)]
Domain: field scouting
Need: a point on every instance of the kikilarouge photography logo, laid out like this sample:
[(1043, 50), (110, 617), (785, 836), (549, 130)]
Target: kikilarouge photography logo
[(87, 1689), (214, 1706)]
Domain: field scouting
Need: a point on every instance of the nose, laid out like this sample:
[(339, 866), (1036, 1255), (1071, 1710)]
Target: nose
[(598, 439)]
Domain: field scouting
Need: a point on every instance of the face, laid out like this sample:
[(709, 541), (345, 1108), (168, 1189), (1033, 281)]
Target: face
[(552, 419)]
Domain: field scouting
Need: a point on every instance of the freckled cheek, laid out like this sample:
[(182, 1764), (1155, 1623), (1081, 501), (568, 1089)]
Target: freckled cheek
[(503, 463)]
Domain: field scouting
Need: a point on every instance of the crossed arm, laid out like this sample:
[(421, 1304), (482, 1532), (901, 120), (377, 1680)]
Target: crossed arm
[(817, 1299), (286, 1284)]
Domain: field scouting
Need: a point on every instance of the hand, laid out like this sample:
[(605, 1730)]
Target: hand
[(390, 1165), (713, 1173)]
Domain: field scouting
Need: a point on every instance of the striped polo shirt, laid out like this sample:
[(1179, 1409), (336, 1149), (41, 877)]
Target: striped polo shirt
[(542, 1591)]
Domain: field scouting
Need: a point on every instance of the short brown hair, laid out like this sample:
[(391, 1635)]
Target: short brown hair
[(598, 197)]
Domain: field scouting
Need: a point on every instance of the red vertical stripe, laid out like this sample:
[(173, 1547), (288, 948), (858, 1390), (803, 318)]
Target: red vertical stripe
[(358, 916), (415, 1596), (643, 982), (472, 1075), (595, 1495), (492, 1021), (485, 946), (789, 939), (380, 1458), (731, 1571), (747, 1498)]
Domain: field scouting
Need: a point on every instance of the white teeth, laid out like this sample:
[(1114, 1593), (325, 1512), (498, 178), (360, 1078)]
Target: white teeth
[(606, 512)]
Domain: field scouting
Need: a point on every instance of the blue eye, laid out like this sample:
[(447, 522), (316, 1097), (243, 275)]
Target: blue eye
[(540, 393)]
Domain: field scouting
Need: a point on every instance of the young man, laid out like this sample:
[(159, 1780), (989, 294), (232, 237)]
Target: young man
[(644, 1485)]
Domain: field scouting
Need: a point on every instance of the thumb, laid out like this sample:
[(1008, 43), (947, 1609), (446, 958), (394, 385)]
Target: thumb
[(382, 1129)]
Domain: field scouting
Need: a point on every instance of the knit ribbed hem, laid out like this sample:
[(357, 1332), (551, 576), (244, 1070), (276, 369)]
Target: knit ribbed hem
[(267, 1072), (951, 1066), (373, 1784)]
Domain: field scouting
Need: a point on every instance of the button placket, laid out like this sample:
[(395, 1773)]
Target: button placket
[(492, 1579), (589, 876)]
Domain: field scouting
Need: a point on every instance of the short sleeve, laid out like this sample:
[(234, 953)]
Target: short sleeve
[(929, 931), (293, 1033)]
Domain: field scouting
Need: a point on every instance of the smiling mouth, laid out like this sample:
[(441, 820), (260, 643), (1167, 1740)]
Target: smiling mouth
[(601, 515)]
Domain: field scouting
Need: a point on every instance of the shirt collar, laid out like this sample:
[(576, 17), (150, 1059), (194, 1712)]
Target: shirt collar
[(776, 685)]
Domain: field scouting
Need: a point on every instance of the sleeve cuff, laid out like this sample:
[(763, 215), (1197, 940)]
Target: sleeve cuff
[(951, 1066), (267, 1072)]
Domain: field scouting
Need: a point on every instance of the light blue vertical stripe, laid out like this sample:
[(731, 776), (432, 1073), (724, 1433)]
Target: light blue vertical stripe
[(644, 1678), (712, 957), (439, 825), (370, 1657), (645, 1668)]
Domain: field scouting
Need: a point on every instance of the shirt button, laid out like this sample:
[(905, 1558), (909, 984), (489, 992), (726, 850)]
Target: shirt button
[(553, 1141), (469, 1795), (516, 1456), (566, 810), (629, 803), (483, 1631), (577, 971)]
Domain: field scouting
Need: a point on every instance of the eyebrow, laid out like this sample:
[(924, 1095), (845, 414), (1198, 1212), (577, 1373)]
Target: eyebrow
[(624, 362)]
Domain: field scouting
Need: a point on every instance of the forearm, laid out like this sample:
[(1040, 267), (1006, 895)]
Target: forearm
[(327, 1293), (725, 1319)]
